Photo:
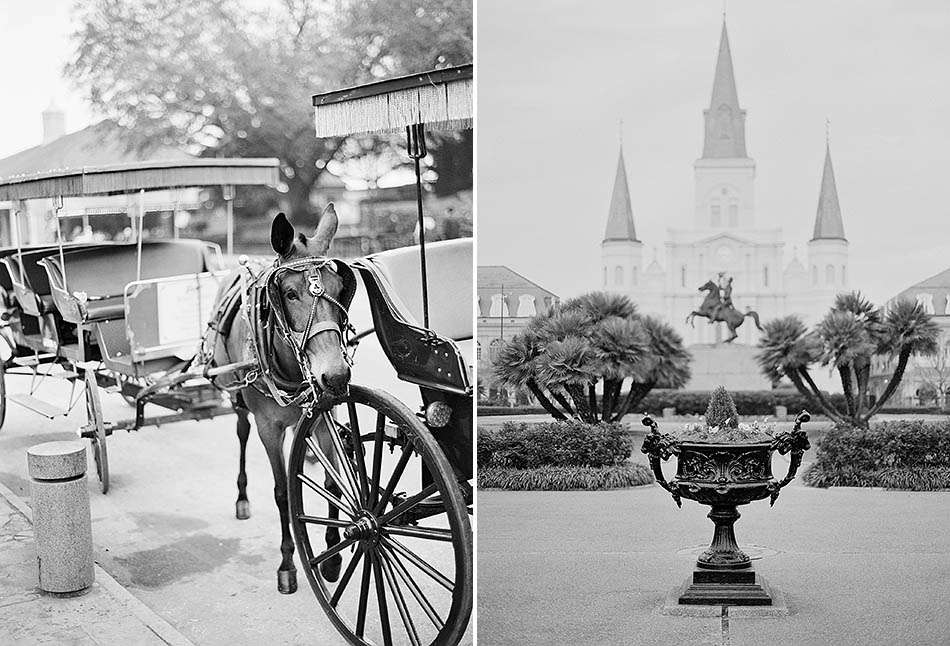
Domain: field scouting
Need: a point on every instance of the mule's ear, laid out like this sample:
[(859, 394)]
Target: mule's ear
[(282, 235), (326, 229)]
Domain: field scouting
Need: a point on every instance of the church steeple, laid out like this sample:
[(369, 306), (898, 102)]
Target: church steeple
[(725, 120), (828, 224), (620, 217)]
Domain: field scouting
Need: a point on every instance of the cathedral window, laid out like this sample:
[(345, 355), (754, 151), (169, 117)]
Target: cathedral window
[(734, 214), (494, 349), (499, 306), (814, 274), (844, 275), (830, 274), (765, 276), (605, 276), (618, 275), (526, 308), (682, 275), (478, 351), (715, 213), (634, 276)]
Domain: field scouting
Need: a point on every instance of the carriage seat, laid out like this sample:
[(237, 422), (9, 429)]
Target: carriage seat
[(29, 279), (449, 282), (102, 274)]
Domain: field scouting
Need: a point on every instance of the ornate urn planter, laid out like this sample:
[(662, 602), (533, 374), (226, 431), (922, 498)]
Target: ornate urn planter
[(724, 474)]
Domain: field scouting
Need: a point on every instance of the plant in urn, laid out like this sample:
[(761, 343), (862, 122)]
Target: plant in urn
[(724, 464)]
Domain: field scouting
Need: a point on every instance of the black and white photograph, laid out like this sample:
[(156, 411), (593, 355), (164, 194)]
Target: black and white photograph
[(713, 323), (236, 388)]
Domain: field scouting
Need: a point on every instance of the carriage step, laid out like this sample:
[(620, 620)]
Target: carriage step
[(37, 405), (27, 362)]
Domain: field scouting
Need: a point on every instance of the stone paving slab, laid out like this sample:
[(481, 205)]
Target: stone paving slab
[(105, 614)]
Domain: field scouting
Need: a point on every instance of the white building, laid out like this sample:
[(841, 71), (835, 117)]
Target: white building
[(724, 235)]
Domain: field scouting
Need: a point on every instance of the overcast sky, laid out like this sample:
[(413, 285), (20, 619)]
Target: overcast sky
[(555, 77), (33, 48)]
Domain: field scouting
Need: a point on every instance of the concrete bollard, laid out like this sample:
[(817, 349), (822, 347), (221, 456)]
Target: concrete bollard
[(61, 519)]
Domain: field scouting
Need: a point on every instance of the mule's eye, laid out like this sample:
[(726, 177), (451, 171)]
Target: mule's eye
[(291, 295)]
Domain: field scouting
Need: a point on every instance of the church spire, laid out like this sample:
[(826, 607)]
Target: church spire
[(828, 224), (725, 120), (620, 217)]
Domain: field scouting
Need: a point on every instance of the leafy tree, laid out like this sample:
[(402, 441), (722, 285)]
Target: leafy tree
[(722, 411), (848, 338), (226, 78), (593, 342)]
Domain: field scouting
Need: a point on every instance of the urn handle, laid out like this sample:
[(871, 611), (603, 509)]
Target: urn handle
[(658, 447), (796, 442)]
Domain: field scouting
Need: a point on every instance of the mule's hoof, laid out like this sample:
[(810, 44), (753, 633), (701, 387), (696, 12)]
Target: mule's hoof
[(286, 581), (242, 509), (330, 569)]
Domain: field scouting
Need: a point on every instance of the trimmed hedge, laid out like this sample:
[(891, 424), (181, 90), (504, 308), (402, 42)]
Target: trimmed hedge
[(551, 478), (899, 454), (556, 444)]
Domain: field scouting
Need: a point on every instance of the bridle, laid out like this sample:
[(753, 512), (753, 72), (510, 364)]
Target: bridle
[(267, 317)]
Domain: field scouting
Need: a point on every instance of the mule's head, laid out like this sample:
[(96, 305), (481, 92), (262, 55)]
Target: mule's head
[(311, 298)]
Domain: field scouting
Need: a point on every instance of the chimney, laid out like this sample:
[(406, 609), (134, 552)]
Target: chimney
[(54, 122)]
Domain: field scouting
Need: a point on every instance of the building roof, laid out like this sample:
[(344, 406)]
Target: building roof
[(100, 144), (493, 277), (725, 120), (620, 217), (828, 224), (938, 286)]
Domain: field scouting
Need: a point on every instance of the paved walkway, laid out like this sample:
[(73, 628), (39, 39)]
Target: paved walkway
[(858, 567), (105, 614)]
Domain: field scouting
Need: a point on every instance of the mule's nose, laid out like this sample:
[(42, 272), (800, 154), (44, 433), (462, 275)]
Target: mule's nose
[(336, 380)]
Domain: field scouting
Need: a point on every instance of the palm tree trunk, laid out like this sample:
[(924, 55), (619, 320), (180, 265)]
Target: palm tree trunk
[(615, 400), (893, 383), (576, 391), (607, 402), (847, 386), (562, 400), (862, 375), (634, 396), (546, 403), (592, 399), (813, 395)]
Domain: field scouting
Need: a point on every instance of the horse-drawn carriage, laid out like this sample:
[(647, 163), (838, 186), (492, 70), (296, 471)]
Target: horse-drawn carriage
[(167, 324)]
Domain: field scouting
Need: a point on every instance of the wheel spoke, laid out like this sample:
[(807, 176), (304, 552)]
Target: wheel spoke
[(320, 520), (408, 504), (358, 449), (334, 427), (347, 575), (377, 457), (346, 506), (399, 599), (393, 480), (381, 602), (420, 563), (364, 596), (397, 566), (336, 549), (429, 533), (332, 473)]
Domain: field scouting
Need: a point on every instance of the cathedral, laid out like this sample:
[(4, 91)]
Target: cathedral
[(723, 238)]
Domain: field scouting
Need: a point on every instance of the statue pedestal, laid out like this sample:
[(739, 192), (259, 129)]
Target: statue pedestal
[(726, 364), (725, 588)]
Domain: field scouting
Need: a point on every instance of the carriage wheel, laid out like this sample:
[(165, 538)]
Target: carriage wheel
[(406, 547), (94, 417), (3, 393)]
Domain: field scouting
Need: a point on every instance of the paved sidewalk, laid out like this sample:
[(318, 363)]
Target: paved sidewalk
[(105, 614)]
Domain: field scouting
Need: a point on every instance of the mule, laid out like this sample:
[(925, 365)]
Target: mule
[(714, 310), (320, 357)]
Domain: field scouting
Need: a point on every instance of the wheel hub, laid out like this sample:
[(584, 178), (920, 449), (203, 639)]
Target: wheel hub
[(363, 528)]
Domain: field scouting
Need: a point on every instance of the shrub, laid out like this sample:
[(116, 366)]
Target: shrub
[(561, 444), (748, 402), (899, 454), (558, 478)]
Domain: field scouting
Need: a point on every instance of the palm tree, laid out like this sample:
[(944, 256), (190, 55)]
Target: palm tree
[(848, 338), (595, 341)]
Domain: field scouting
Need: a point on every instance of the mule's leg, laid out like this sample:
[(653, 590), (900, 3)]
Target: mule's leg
[(272, 435), (330, 569), (242, 508)]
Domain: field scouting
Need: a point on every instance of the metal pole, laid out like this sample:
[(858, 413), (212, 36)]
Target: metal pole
[(57, 206), (18, 208), (416, 139), (175, 204), (227, 192), (138, 269)]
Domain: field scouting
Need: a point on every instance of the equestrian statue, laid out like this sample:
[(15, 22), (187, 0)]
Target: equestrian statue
[(717, 306)]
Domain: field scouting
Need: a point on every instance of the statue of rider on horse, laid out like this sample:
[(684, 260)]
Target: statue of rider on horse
[(717, 306)]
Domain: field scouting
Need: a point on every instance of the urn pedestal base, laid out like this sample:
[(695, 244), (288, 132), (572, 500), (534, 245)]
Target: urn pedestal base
[(725, 588)]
